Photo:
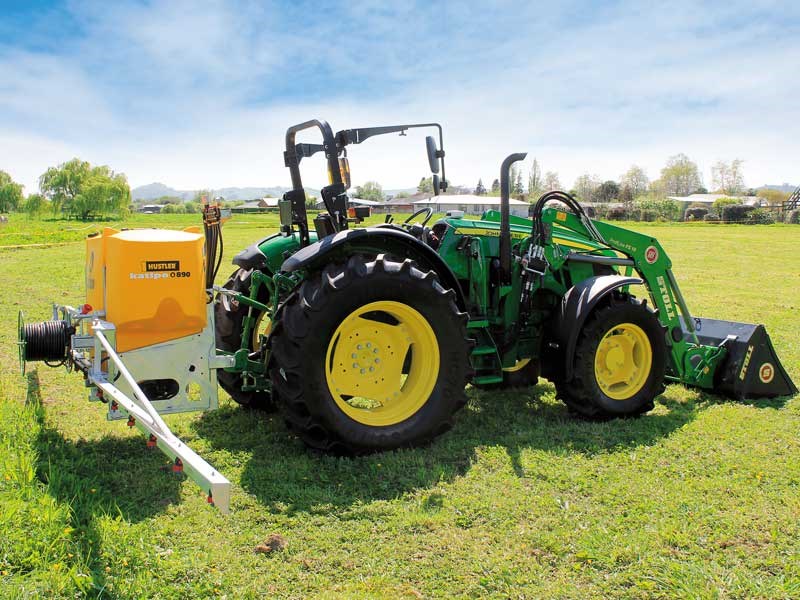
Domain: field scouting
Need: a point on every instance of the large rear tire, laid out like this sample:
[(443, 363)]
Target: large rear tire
[(619, 363), (370, 356), (229, 318)]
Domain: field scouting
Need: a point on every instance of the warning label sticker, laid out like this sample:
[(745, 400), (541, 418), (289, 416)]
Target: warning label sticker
[(766, 372)]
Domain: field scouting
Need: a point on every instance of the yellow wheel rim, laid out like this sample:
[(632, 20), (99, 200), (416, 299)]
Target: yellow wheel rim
[(262, 326), (364, 365), (518, 366), (623, 360)]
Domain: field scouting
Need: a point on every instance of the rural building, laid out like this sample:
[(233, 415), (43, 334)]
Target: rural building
[(470, 204), (320, 205), (150, 209), (257, 206)]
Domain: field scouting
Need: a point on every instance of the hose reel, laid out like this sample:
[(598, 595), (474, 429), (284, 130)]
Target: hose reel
[(46, 341)]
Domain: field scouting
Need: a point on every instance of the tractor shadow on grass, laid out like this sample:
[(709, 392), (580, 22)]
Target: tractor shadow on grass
[(96, 478), (286, 477)]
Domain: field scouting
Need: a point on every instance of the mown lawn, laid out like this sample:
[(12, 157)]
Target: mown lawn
[(698, 498)]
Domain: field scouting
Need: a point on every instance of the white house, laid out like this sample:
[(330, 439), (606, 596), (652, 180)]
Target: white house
[(471, 205)]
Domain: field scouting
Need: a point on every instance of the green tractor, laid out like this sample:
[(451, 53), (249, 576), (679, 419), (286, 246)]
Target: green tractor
[(367, 337)]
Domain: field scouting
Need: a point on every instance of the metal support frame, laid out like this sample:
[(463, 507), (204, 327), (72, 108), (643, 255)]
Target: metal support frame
[(93, 350), (149, 421)]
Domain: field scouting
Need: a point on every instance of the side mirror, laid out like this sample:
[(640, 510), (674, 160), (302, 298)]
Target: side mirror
[(437, 183), (433, 154)]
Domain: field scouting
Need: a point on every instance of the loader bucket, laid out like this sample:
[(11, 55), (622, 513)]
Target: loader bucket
[(751, 368)]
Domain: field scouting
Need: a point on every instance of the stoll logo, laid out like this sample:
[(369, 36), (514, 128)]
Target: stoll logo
[(651, 254), (665, 298), (746, 363), (766, 372)]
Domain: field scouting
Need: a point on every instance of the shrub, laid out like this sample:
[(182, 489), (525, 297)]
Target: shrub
[(721, 203), (616, 213), (792, 217), (666, 209), (761, 216), (736, 213), (646, 214), (711, 217), (695, 214)]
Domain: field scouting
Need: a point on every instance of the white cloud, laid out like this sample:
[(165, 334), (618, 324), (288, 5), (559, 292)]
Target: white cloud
[(199, 94)]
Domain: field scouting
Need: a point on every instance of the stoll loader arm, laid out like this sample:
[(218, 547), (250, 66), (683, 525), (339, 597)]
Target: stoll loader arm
[(735, 359)]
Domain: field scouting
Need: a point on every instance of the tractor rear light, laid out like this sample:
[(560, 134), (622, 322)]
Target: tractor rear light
[(359, 212), (86, 309)]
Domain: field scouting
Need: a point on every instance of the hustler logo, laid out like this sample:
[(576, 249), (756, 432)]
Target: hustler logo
[(162, 265), (161, 269)]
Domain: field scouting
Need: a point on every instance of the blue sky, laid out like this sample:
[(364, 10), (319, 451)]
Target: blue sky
[(198, 94)]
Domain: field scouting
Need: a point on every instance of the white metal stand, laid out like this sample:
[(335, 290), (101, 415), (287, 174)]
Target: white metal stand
[(188, 361)]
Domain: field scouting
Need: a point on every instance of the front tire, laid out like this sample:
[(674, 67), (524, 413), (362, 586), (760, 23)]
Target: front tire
[(370, 356), (619, 362)]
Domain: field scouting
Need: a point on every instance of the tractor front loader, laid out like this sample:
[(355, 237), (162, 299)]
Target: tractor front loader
[(366, 337)]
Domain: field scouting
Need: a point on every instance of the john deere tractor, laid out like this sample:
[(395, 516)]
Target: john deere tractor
[(367, 336)]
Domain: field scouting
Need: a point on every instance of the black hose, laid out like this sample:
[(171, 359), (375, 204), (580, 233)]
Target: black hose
[(214, 250), (537, 228), (46, 341), (221, 252)]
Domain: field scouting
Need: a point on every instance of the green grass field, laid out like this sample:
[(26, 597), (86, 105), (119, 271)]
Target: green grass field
[(699, 498)]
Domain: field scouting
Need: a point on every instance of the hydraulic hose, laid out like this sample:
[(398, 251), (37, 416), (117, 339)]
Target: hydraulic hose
[(46, 341)]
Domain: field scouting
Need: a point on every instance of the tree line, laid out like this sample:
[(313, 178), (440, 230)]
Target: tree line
[(680, 176), (75, 189)]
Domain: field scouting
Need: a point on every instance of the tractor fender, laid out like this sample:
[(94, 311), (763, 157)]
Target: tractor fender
[(380, 240), (252, 257), (576, 306)]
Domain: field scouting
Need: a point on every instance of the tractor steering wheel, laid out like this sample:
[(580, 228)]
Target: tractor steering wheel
[(426, 209), (419, 231)]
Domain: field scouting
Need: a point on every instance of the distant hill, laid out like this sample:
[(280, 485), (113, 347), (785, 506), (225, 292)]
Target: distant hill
[(409, 191), (786, 187), (151, 191), (250, 193)]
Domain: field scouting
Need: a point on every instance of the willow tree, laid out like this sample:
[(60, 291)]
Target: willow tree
[(78, 189), (10, 193)]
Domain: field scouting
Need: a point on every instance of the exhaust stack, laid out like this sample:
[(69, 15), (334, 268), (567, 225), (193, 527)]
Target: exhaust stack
[(505, 227)]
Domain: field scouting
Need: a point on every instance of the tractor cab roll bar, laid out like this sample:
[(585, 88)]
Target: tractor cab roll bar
[(293, 205)]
